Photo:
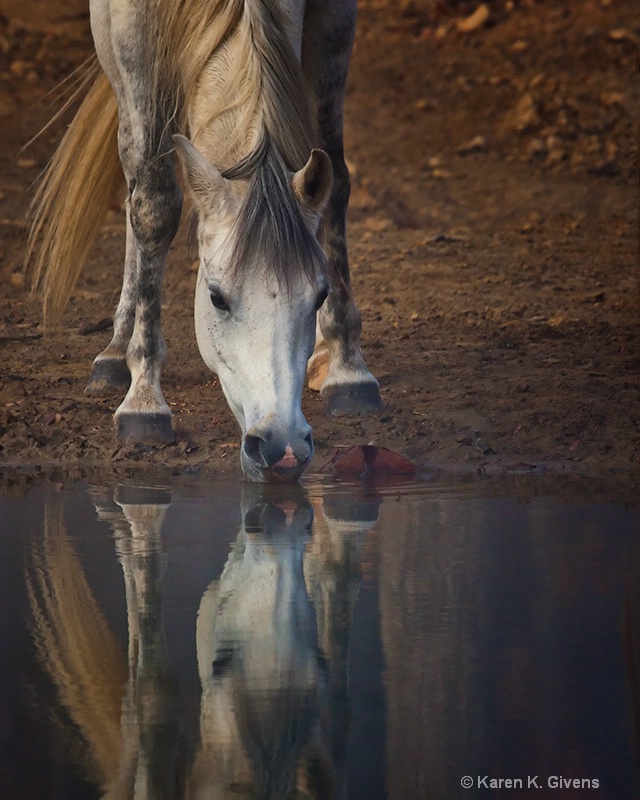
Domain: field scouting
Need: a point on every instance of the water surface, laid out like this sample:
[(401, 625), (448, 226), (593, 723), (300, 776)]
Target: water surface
[(226, 641)]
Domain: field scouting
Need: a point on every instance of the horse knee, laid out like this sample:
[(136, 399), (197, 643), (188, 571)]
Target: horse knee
[(155, 208)]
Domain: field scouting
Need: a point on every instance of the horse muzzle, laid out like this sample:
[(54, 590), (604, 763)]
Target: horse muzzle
[(268, 455)]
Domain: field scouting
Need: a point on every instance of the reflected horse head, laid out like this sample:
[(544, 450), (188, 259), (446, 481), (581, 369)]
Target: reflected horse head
[(263, 676)]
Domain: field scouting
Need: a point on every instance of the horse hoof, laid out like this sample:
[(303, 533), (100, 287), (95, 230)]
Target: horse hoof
[(352, 398), (108, 375), (144, 428)]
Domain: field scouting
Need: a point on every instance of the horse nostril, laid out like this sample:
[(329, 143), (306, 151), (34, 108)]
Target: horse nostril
[(309, 440), (252, 448)]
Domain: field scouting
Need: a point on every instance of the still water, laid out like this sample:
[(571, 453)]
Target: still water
[(215, 640)]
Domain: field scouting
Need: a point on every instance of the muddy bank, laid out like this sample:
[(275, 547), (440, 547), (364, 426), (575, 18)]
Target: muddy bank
[(493, 235)]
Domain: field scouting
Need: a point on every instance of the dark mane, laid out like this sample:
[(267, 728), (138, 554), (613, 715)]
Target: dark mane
[(271, 231)]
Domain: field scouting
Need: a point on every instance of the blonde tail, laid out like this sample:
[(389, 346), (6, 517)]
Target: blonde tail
[(74, 195), (76, 646)]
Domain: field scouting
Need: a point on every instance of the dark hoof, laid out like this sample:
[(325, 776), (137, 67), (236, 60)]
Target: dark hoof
[(352, 398), (108, 375), (144, 428)]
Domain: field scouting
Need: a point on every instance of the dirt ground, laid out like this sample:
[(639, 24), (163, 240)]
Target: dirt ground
[(493, 234)]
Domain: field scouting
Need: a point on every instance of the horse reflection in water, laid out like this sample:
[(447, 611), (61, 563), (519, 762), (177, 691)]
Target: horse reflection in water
[(271, 638), (262, 674)]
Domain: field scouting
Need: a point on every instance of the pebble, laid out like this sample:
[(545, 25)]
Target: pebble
[(612, 98), (474, 21), (537, 80), (19, 67), (425, 105), (555, 155), (475, 145), (619, 35), (524, 115)]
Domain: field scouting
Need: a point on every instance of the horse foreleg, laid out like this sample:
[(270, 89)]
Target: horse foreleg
[(110, 372), (123, 34), (155, 205), (349, 387)]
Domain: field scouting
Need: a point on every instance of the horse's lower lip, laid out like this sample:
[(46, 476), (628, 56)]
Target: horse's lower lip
[(287, 471), (288, 461)]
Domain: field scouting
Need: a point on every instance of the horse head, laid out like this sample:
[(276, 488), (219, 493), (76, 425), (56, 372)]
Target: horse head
[(261, 280)]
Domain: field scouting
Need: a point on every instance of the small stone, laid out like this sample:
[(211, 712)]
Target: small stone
[(555, 156), (553, 142), (19, 67), (474, 21), (612, 98), (378, 224), (524, 115), (440, 33), (620, 35), (537, 80), (425, 105), (475, 145)]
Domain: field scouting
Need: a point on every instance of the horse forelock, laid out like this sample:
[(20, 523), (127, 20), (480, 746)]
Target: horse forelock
[(270, 231)]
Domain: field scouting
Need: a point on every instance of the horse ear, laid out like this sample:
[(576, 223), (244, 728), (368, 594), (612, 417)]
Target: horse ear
[(202, 177), (312, 184)]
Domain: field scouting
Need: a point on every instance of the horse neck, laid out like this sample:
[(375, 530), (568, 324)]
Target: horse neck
[(242, 96), (226, 138)]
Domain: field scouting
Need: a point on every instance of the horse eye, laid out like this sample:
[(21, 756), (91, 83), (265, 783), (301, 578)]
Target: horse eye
[(218, 301), (221, 662), (322, 296)]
